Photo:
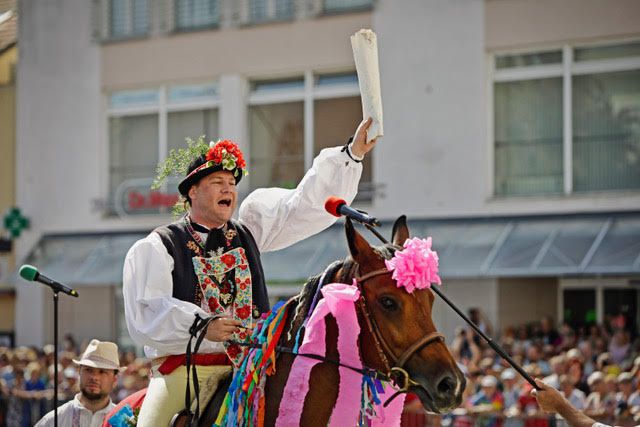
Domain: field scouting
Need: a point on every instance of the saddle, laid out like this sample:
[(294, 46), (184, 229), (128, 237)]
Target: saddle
[(212, 405), (186, 418)]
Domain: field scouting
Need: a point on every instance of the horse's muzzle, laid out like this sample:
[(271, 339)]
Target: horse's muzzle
[(442, 394)]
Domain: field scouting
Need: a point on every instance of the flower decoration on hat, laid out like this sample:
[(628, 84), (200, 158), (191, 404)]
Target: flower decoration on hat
[(416, 266), (227, 154), (197, 160)]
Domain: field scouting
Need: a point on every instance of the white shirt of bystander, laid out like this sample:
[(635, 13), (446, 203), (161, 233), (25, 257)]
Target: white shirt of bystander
[(73, 414)]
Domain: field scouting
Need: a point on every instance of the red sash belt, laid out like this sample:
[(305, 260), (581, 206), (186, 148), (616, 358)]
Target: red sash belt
[(172, 363)]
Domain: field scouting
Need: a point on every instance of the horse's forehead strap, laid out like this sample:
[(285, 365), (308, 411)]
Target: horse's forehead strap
[(375, 273)]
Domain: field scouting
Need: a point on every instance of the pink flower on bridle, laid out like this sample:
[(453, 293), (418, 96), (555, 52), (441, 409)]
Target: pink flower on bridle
[(416, 266)]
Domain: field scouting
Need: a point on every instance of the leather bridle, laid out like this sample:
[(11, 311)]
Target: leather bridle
[(394, 367)]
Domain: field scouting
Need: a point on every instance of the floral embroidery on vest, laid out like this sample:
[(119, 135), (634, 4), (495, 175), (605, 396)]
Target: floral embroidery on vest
[(194, 247), (225, 282)]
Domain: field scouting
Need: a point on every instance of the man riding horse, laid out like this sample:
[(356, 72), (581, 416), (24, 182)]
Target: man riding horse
[(164, 289)]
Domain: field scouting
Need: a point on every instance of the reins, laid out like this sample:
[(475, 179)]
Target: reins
[(395, 370), (369, 372), (198, 330)]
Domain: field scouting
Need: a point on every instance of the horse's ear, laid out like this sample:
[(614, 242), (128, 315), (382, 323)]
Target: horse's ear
[(400, 232), (359, 248)]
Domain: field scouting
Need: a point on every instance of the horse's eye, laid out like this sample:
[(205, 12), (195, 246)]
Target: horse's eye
[(388, 303)]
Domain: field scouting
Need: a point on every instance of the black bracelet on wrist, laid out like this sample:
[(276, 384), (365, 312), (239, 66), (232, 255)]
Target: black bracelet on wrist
[(346, 149)]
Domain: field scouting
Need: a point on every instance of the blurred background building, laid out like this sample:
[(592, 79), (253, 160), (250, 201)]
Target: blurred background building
[(512, 136), (8, 62)]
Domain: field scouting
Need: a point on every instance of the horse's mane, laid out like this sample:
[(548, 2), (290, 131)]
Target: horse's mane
[(306, 296), (387, 250), (346, 267)]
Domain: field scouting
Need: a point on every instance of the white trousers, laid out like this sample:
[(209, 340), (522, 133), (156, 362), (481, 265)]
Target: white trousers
[(166, 393)]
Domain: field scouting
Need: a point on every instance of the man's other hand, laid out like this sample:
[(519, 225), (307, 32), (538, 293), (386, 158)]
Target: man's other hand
[(222, 328), (549, 399)]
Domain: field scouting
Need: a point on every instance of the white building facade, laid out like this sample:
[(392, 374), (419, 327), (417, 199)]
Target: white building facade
[(512, 135)]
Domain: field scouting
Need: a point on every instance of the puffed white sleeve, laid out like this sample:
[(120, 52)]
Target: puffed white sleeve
[(154, 317), (279, 217)]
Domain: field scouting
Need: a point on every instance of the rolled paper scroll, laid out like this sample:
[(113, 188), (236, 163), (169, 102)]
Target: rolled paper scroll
[(365, 53)]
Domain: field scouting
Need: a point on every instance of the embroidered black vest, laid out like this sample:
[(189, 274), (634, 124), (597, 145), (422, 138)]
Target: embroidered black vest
[(182, 248)]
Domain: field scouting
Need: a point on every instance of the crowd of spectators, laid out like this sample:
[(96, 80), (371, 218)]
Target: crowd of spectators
[(596, 368), (26, 380)]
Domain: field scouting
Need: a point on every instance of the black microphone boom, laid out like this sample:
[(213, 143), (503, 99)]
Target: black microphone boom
[(356, 215), (338, 207), (29, 272)]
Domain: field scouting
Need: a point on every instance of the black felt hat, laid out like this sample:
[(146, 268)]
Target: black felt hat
[(223, 155)]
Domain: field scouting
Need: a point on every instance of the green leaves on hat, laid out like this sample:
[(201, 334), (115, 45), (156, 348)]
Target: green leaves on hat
[(178, 160), (177, 164)]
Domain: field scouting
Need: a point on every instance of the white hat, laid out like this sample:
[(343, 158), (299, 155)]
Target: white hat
[(508, 374), (574, 353), (595, 377), (488, 381), (100, 354), (70, 373), (625, 377)]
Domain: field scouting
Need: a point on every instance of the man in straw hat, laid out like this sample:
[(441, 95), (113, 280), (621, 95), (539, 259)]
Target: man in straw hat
[(208, 264), (99, 367)]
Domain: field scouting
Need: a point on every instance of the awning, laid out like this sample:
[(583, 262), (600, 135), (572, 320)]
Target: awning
[(534, 246), (562, 245), (82, 259)]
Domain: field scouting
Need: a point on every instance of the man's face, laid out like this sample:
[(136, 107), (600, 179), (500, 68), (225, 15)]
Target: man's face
[(598, 386), (626, 387), (489, 390), (96, 383), (214, 198)]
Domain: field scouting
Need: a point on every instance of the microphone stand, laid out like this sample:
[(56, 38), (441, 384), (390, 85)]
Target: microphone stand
[(55, 358), (30, 273)]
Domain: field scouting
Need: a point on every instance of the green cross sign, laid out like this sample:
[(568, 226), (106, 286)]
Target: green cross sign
[(15, 222)]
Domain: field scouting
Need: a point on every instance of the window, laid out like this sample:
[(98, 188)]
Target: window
[(291, 120), (334, 121), (270, 10), (567, 121), (336, 6), (606, 131), (128, 18), (528, 137), (133, 151), (144, 125), (580, 307), (277, 144), (196, 14)]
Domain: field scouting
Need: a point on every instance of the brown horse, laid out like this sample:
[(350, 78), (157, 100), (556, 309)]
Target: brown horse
[(397, 338), (396, 331)]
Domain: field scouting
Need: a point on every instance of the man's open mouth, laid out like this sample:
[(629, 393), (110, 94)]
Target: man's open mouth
[(225, 202)]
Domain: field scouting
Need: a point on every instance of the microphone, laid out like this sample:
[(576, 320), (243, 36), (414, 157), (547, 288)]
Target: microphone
[(338, 207), (30, 273)]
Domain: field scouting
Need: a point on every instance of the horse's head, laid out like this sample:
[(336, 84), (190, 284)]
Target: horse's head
[(397, 329)]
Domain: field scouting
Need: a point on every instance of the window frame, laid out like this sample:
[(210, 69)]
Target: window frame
[(193, 28), (107, 35), (337, 10), (271, 15), (307, 94), (162, 108), (567, 69)]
